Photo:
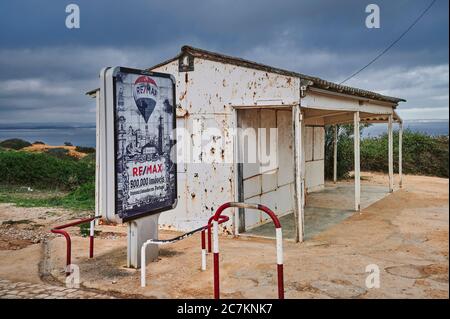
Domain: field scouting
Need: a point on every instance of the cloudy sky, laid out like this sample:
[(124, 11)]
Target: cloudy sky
[(45, 68)]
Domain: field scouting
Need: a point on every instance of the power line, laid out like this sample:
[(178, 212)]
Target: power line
[(392, 44)]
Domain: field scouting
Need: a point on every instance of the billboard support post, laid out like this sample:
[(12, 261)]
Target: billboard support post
[(139, 231), (136, 170)]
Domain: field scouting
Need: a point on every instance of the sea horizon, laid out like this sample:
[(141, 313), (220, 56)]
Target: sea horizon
[(83, 134)]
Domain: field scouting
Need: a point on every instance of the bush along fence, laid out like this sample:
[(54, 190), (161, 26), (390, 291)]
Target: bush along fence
[(422, 154)]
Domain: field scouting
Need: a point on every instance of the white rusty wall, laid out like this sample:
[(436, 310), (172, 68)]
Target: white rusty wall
[(208, 94), (177, 218)]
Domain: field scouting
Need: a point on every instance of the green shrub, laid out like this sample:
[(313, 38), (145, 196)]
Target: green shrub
[(86, 150), (61, 153), (14, 143), (44, 171), (89, 158), (345, 155), (81, 198), (422, 154)]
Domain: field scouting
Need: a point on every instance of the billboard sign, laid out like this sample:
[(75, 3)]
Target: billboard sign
[(139, 175)]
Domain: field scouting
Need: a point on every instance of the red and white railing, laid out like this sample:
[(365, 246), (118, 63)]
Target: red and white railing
[(158, 242), (60, 230), (279, 243)]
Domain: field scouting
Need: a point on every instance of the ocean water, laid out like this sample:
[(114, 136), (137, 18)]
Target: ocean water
[(86, 136), (434, 128), (56, 136)]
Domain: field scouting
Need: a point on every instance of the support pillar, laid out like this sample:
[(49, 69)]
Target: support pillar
[(298, 181), (391, 154), (356, 141), (400, 154), (139, 231), (335, 153)]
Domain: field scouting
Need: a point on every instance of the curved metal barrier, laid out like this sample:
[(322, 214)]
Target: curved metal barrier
[(59, 230), (279, 243), (223, 219)]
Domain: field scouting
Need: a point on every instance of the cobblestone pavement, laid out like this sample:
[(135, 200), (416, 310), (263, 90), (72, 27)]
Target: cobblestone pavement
[(25, 290)]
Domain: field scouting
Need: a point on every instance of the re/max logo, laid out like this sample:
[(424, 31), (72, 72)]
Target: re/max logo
[(150, 169)]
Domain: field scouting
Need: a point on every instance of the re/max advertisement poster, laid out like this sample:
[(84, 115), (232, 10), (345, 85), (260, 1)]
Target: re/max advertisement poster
[(144, 125)]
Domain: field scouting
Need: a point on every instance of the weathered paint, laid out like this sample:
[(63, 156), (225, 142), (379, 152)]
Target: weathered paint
[(338, 102), (227, 96), (208, 94)]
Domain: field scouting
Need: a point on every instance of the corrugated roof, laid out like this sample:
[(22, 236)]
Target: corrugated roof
[(316, 82)]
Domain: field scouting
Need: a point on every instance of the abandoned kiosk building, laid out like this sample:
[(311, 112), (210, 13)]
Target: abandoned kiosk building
[(215, 90)]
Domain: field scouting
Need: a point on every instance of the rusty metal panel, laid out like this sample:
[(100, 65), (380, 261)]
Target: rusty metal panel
[(285, 153), (271, 200), (267, 140), (319, 143), (248, 121), (285, 195), (309, 143), (252, 217), (280, 201), (269, 181), (314, 175), (252, 186)]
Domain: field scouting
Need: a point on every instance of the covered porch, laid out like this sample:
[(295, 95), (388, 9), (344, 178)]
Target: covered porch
[(325, 208), (317, 208)]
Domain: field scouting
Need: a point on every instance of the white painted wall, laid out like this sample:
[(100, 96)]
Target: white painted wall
[(208, 94)]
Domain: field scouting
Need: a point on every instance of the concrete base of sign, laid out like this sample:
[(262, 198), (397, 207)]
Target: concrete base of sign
[(139, 231)]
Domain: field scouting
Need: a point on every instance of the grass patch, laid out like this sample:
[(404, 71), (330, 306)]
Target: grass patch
[(85, 230), (51, 179), (44, 171), (83, 198)]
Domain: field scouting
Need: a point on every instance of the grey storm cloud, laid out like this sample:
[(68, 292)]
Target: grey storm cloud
[(324, 38)]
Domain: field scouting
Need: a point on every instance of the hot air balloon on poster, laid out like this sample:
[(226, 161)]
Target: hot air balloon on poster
[(145, 93)]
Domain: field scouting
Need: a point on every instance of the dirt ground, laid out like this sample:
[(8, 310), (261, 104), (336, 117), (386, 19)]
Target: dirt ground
[(405, 235)]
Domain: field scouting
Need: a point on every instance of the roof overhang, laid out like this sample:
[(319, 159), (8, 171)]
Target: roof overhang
[(313, 82)]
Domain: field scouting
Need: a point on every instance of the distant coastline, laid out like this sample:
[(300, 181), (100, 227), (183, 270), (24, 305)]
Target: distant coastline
[(44, 126), (83, 134), (52, 135), (430, 127)]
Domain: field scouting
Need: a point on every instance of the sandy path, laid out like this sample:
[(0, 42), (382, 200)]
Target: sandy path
[(405, 235)]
